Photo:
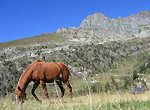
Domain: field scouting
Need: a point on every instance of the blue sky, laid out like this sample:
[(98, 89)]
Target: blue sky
[(27, 18)]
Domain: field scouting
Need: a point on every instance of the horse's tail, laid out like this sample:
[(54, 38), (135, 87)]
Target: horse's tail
[(61, 65), (61, 71), (67, 70), (69, 73)]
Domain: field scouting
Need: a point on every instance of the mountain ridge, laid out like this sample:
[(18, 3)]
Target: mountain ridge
[(96, 28), (109, 29)]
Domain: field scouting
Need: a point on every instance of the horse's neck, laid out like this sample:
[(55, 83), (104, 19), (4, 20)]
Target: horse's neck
[(26, 77), (24, 81)]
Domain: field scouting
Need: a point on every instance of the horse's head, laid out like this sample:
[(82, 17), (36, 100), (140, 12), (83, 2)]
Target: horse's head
[(20, 95)]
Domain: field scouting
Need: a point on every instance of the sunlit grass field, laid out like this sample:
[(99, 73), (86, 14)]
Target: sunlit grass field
[(102, 101)]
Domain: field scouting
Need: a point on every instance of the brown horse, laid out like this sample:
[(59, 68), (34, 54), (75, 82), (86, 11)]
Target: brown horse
[(41, 72)]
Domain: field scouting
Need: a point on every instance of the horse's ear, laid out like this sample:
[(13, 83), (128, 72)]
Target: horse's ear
[(14, 87), (19, 89)]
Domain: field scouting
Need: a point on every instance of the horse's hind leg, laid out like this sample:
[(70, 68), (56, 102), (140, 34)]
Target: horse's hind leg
[(59, 83), (43, 84), (33, 90), (70, 89)]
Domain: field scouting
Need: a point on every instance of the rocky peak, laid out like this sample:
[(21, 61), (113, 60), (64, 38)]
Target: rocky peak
[(99, 26), (61, 30), (144, 13), (92, 21), (96, 16), (101, 21)]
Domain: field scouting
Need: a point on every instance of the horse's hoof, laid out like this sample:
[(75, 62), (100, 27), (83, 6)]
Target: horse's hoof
[(40, 101), (49, 104), (62, 100)]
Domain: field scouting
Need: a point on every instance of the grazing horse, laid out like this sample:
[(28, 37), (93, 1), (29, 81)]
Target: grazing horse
[(41, 72)]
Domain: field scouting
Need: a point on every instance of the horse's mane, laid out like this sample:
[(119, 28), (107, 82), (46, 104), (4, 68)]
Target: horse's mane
[(28, 69)]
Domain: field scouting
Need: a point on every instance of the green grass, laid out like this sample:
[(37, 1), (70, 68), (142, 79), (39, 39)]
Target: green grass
[(103, 101), (125, 68)]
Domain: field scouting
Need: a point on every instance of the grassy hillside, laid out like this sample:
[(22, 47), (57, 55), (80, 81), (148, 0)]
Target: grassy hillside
[(43, 38)]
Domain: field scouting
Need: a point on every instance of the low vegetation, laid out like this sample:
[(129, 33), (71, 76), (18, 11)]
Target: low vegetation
[(102, 101)]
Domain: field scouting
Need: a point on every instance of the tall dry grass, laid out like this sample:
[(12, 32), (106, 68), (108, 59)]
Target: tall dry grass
[(103, 101)]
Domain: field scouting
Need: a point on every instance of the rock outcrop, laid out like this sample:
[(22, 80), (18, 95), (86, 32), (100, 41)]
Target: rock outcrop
[(102, 28)]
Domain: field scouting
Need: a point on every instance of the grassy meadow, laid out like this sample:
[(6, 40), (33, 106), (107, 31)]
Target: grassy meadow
[(106, 94), (102, 101), (83, 99)]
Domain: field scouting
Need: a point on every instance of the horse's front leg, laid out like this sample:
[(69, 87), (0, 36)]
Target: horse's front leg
[(43, 84), (36, 84)]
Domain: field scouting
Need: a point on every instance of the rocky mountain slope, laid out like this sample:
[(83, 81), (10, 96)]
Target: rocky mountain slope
[(100, 28), (96, 28)]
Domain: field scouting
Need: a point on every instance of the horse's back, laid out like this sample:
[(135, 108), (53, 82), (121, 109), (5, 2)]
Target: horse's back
[(50, 70), (46, 71)]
